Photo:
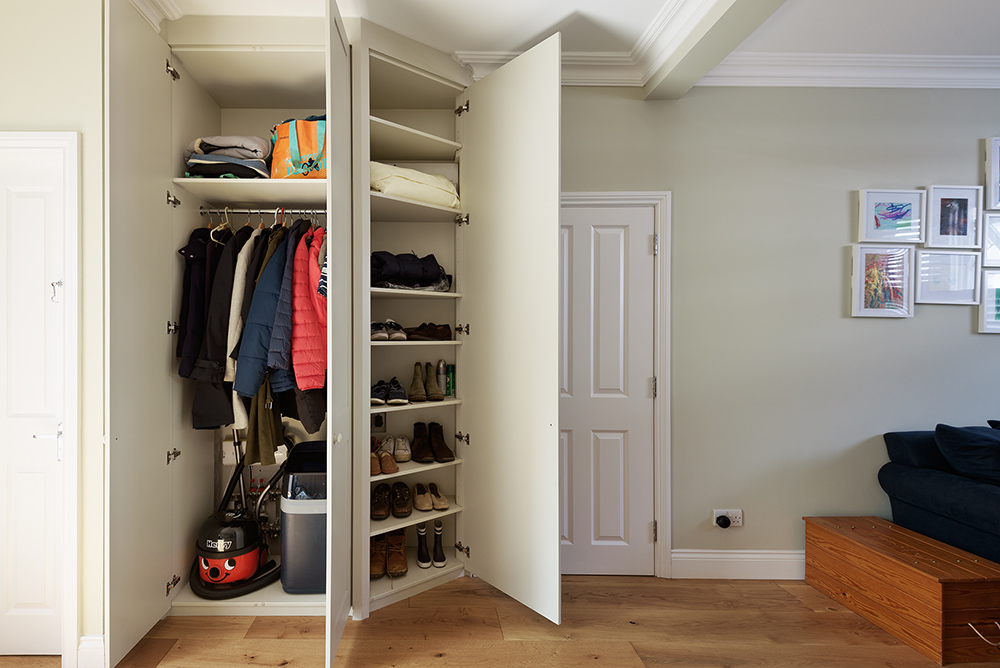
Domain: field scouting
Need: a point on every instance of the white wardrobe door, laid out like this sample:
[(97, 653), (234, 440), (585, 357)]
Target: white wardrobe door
[(509, 375)]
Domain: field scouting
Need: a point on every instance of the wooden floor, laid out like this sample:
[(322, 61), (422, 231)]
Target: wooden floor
[(607, 621)]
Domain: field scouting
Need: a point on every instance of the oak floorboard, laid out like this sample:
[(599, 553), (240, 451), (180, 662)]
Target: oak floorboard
[(462, 592), (288, 628), (147, 653), (403, 623), (812, 598), (629, 592), (473, 654), (201, 627), (31, 662), (187, 653), (737, 655)]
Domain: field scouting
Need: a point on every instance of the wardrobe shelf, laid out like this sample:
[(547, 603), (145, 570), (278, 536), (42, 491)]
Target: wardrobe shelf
[(406, 468), (250, 193), (397, 344), (415, 407), (398, 85), (415, 576), (392, 209), (271, 600), (392, 293), (416, 517), (392, 141)]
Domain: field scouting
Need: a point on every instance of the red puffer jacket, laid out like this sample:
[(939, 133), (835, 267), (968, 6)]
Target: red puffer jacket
[(308, 315)]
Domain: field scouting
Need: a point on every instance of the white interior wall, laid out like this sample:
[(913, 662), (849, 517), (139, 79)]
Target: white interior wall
[(779, 396)]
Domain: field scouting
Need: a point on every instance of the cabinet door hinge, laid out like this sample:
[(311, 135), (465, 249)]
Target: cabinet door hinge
[(174, 74), (171, 456), (173, 201), (173, 583), (461, 110), (463, 437), (172, 327), (656, 533), (655, 389), (462, 219), (463, 548), (656, 244), (461, 329)]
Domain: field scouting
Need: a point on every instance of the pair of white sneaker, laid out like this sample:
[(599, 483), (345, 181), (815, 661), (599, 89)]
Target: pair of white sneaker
[(397, 446)]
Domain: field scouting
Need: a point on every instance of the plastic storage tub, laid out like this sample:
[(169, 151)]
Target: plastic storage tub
[(303, 520)]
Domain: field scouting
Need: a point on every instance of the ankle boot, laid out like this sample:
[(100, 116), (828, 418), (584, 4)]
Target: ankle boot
[(416, 391), (423, 556), (434, 392), (442, 453), (395, 557), (439, 559), (420, 446)]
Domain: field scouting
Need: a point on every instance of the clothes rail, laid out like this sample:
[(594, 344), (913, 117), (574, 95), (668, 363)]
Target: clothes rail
[(252, 212)]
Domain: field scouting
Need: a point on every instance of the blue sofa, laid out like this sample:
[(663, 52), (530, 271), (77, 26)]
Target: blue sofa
[(945, 484)]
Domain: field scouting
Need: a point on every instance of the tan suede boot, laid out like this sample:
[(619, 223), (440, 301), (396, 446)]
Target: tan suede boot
[(434, 392), (416, 391)]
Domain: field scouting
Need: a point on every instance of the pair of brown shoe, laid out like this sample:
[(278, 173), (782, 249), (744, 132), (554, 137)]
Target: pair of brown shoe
[(428, 331), (424, 386), (388, 555), (396, 500), (428, 444)]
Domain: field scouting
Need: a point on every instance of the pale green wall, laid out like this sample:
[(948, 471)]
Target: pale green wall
[(779, 397), (51, 80)]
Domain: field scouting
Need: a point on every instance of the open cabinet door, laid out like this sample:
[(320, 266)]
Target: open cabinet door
[(339, 333), (509, 178)]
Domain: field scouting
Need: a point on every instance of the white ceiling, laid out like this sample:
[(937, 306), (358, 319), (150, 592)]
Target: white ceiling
[(912, 43)]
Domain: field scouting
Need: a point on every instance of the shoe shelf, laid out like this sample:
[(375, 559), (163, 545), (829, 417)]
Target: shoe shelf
[(392, 209), (415, 407), (393, 293), (396, 344), (392, 141), (416, 517), (384, 587), (250, 193), (406, 468)]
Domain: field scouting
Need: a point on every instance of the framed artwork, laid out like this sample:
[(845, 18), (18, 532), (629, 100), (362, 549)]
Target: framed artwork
[(882, 282), (895, 216), (947, 277), (993, 173), (953, 216), (991, 239), (989, 304)]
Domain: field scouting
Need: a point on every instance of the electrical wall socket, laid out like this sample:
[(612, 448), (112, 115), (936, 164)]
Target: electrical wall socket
[(735, 517)]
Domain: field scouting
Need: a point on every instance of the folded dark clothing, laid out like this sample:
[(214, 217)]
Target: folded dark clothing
[(246, 147), (217, 165)]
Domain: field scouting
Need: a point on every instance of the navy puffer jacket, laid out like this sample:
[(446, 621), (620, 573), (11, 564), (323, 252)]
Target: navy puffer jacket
[(252, 362)]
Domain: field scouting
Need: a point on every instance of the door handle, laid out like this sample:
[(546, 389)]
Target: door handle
[(57, 437)]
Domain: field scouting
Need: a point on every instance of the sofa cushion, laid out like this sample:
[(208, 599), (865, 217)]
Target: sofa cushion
[(974, 452), (916, 448)]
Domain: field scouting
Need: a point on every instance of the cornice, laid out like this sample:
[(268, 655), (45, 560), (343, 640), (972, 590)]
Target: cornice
[(157, 11)]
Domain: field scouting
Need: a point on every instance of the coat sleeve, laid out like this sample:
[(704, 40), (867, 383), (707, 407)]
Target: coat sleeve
[(308, 332)]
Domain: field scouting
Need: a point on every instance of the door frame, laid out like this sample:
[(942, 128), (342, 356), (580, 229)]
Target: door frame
[(68, 143), (659, 202)]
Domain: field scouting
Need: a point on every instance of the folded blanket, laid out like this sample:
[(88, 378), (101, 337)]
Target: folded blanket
[(246, 147), (412, 184), (221, 165)]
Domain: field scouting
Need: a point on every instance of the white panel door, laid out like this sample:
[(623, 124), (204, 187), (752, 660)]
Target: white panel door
[(508, 369), (339, 333), (606, 386), (37, 204), (140, 272)]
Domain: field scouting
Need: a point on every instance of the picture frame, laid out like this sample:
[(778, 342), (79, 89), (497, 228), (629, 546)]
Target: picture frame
[(892, 216), (954, 216), (991, 239), (989, 303), (948, 277), (993, 173), (882, 281)]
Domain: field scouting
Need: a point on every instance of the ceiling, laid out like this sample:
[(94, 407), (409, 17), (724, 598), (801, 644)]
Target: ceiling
[(668, 46)]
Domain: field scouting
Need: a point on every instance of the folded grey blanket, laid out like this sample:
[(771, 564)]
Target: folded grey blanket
[(245, 147)]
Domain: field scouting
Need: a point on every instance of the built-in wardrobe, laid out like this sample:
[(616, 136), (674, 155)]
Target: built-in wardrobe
[(390, 100)]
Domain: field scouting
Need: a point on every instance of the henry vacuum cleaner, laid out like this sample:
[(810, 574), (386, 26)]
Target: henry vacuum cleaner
[(231, 553)]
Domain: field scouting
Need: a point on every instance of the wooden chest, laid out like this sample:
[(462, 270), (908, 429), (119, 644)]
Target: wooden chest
[(921, 591)]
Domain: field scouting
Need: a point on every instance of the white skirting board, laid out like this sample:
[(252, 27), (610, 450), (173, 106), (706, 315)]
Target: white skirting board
[(90, 653), (738, 564)]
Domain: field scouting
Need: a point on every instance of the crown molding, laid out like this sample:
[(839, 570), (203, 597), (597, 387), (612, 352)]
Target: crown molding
[(157, 11), (855, 71)]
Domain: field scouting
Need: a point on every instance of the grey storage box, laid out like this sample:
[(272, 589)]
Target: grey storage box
[(303, 520)]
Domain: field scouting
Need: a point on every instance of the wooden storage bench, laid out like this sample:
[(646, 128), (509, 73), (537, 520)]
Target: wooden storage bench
[(921, 591)]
